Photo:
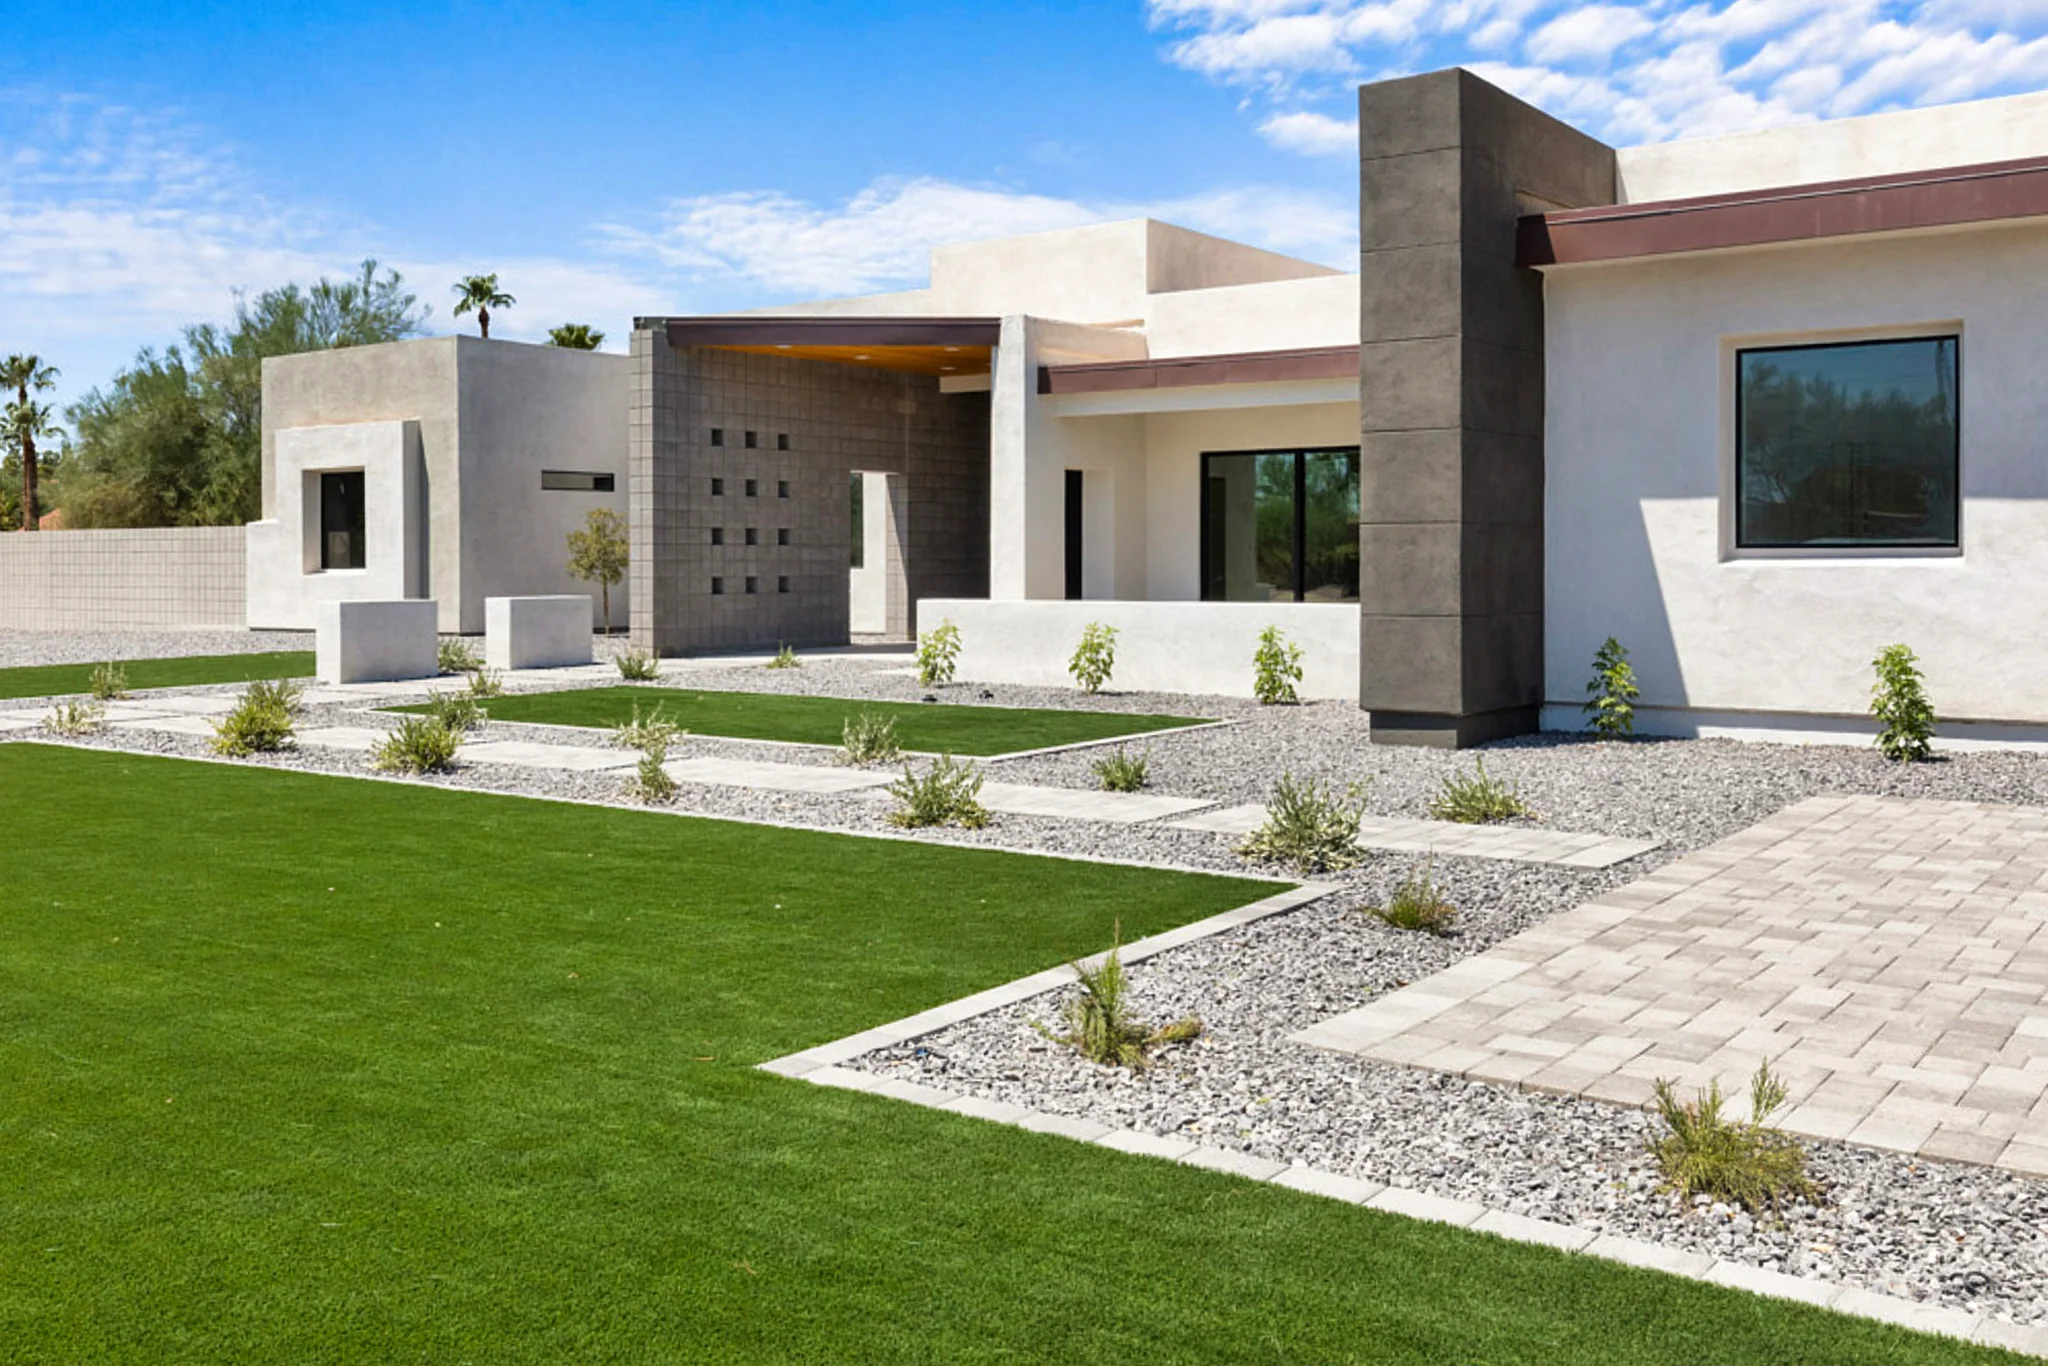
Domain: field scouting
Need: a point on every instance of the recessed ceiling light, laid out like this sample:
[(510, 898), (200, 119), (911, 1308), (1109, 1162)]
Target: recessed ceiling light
[(952, 348), (782, 346), (949, 367), (862, 356)]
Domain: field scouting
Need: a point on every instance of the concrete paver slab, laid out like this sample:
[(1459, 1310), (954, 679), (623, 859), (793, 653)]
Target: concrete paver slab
[(768, 777), (1829, 939)]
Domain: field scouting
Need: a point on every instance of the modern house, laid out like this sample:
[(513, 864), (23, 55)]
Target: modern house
[(1707, 397)]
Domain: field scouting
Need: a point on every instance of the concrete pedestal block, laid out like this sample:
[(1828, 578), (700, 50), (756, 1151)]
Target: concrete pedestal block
[(537, 633), (376, 642)]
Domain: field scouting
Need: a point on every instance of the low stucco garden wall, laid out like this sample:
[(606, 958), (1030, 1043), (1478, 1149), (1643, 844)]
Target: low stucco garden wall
[(1190, 647)]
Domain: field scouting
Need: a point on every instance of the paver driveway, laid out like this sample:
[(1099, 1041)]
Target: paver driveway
[(1890, 957)]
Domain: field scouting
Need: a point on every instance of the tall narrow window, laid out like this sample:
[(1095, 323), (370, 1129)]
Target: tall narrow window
[(860, 528), (1847, 444), (342, 522), (1076, 493), (1280, 526)]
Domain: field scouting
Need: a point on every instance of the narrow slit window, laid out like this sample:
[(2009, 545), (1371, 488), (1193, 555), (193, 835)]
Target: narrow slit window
[(717, 487), (343, 524), (717, 587), (753, 487), (782, 441), (718, 535), (753, 584), (752, 440), (782, 583), (753, 536), (577, 481), (782, 535), (718, 436)]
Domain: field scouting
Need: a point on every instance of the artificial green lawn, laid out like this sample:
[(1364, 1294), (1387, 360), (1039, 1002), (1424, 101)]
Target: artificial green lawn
[(931, 727), (57, 680), (303, 1069)]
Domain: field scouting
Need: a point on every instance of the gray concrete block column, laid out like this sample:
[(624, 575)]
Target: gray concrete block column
[(1451, 402)]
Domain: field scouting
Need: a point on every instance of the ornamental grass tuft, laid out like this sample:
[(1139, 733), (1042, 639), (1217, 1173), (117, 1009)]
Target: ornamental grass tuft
[(947, 793), (1476, 800), (638, 666), (109, 681), (1309, 826), (1418, 904), (1122, 772), (1742, 1161), (263, 720), (869, 739), (1098, 1019), (419, 744)]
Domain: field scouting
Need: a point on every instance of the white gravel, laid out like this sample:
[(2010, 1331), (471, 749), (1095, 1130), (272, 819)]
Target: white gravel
[(90, 647), (1942, 1233)]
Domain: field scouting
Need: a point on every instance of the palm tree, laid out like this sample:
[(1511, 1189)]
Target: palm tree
[(481, 293), (576, 337), (25, 421), (20, 424)]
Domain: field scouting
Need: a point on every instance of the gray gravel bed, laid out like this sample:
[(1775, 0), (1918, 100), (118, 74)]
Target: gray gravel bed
[(18, 648)]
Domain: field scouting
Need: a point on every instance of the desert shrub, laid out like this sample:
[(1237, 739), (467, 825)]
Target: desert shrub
[(1611, 707), (460, 711), (638, 666), (948, 793), (1120, 772), (1745, 1162), (1899, 702), (1476, 800), (1098, 1020), (420, 744), (1418, 904), (785, 658), (73, 719), (262, 721), (868, 739), (486, 683), (1309, 826), (643, 732), (1276, 668), (651, 783), (937, 651), (458, 656), (109, 681), (1095, 657)]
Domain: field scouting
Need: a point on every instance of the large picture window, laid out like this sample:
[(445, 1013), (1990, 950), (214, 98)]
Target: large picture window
[(1280, 526), (1851, 444)]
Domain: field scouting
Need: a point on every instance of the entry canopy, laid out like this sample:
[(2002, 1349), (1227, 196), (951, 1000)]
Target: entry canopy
[(919, 345)]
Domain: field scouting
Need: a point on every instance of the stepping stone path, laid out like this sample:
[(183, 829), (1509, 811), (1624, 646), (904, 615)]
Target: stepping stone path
[(1081, 804), (1516, 843), (766, 777), (560, 758)]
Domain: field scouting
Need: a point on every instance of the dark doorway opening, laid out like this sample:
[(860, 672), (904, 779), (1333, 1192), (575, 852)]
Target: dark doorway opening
[(1074, 494)]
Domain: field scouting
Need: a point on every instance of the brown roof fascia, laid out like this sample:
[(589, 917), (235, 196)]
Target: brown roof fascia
[(1243, 367), (827, 331), (1950, 197)]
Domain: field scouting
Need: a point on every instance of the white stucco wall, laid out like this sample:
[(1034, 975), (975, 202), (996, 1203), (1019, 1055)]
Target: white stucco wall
[(286, 585), (1186, 647), (488, 418), (1841, 149), (525, 409), (1283, 315), (1640, 446)]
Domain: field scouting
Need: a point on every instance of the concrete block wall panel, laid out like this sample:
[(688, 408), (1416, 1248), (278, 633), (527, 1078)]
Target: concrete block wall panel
[(550, 632), (836, 419), (121, 580), (1451, 402)]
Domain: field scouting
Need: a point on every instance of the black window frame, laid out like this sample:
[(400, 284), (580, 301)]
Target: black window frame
[(344, 498), (1954, 543), (1299, 549), (578, 481)]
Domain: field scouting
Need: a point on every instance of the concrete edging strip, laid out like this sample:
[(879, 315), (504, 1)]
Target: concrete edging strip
[(822, 1065)]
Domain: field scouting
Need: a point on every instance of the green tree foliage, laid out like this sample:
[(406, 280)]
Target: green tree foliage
[(575, 337), (598, 553), (23, 422), (176, 439), (479, 294)]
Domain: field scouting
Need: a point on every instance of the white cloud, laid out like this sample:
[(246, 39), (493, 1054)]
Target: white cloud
[(1593, 32), (1311, 134), (1627, 70), (880, 238)]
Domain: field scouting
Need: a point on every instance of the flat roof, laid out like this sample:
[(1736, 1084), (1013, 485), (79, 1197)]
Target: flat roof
[(920, 345), (1174, 372), (1949, 197)]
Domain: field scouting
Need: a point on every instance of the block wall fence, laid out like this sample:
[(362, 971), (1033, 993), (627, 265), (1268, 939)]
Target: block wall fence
[(123, 580)]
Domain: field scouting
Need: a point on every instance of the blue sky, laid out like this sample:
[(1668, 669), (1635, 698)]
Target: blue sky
[(614, 159)]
